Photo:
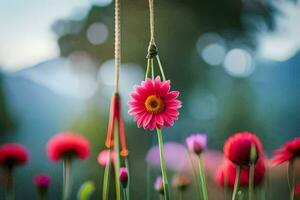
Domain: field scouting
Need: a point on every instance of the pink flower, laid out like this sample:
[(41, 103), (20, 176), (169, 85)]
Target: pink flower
[(159, 185), (153, 105), (68, 144), (42, 180), (103, 157), (288, 151), (123, 174), (12, 155), (196, 143)]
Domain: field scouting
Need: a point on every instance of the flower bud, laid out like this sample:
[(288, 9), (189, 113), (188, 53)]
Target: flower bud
[(123, 174)]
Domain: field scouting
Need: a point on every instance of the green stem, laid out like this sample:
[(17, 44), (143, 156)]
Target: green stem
[(9, 189), (180, 194), (117, 163), (236, 182), (67, 182), (194, 169), (251, 181), (148, 68), (152, 69), (161, 68), (291, 178), (226, 188), (202, 178), (106, 178), (124, 194), (128, 181), (162, 164)]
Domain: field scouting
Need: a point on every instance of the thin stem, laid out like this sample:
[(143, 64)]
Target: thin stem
[(251, 181), (161, 68), (180, 194), (106, 178), (194, 169), (152, 69), (124, 194), (128, 181), (236, 182), (202, 178), (148, 68), (162, 164), (67, 182), (291, 178), (9, 189), (117, 163), (117, 43)]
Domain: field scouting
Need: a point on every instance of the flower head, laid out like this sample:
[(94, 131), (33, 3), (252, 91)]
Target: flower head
[(159, 185), (287, 152), (68, 144), (227, 173), (237, 148), (181, 181), (103, 157), (12, 155), (196, 143), (42, 180), (123, 174), (153, 105)]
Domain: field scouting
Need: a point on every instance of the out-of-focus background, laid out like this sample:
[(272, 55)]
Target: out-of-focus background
[(236, 64)]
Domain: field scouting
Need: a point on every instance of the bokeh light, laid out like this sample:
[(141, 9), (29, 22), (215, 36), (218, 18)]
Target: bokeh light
[(211, 48), (97, 33), (239, 63)]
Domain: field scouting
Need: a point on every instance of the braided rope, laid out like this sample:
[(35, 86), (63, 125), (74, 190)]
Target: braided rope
[(117, 43)]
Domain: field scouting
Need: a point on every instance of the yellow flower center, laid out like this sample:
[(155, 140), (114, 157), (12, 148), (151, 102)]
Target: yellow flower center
[(154, 104)]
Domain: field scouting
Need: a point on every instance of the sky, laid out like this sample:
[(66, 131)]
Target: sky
[(26, 38)]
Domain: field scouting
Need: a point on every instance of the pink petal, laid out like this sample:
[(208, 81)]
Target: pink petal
[(147, 120), (159, 119), (164, 88), (171, 95)]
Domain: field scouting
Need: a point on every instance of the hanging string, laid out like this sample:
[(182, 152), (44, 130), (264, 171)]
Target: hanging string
[(152, 49), (117, 44), (151, 9)]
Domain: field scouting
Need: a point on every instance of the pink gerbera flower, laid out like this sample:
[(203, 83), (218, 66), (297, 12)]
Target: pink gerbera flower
[(153, 105), (68, 144), (12, 155)]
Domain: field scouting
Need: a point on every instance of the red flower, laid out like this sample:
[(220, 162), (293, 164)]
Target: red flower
[(42, 180), (237, 148), (68, 144), (12, 155), (288, 151), (153, 105), (228, 171), (103, 157), (297, 189)]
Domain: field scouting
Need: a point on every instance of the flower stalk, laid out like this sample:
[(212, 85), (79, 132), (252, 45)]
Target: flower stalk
[(202, 178), (236, 182), (291, 178), (162, 165), (67, 184), (9, 188), (106, 178)]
